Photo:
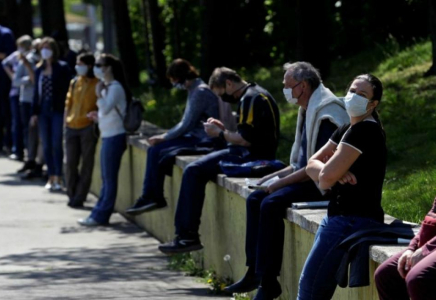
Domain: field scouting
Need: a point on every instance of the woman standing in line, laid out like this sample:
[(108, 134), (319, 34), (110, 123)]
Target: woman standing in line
[(52, 78), (113, 96), (80, 137)]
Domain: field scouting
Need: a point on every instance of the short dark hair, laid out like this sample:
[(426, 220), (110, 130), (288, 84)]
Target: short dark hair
[(220, 75), (89, 60), (181, 69), (304, 71)]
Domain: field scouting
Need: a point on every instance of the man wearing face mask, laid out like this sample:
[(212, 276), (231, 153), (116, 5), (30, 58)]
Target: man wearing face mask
[(256, 138), (10, 65), (320, 113), (201, 104), (80, 137)]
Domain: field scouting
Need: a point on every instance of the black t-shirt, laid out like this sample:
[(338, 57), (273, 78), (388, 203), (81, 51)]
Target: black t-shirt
[(364, 198), (259, 122)]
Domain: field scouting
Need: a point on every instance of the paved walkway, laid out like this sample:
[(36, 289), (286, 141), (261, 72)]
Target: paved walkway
[(44, 254)]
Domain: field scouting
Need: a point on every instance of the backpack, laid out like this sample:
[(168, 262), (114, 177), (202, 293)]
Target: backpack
[(133, 118)]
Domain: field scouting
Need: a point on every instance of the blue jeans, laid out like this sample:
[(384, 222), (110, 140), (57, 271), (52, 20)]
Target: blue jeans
[(111, 152), (154, 178), (317, 280), (265, 228), (51, 129), (192, 190), (17, 131), (26, 114)]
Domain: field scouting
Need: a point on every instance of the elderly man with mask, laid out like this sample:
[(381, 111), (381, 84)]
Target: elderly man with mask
[(320, 113), (256, 138)]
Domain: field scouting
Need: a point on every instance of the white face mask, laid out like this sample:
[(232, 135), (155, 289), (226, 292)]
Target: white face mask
[(46, 53), (98, 72), (355, 105), (21, 50), (81, 70), (288, 95)]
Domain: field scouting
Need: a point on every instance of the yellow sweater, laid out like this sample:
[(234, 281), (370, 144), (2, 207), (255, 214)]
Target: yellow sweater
[(80, 102)]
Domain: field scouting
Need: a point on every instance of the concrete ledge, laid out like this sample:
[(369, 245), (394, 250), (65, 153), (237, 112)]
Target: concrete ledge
[(223, 222)]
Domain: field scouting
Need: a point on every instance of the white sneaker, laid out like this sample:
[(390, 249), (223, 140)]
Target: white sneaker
[(48, 186), (88, 222)]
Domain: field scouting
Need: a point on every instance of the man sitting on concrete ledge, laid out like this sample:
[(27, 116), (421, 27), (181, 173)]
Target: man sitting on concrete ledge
[(256, 138), (201, 104), (320, 114)]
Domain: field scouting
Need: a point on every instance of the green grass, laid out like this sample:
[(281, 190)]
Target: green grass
[(408, 111)]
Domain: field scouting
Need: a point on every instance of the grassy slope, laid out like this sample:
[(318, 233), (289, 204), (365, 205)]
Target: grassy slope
[(408, 110)]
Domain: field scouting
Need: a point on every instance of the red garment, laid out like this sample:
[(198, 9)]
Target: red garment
[(426, 237)]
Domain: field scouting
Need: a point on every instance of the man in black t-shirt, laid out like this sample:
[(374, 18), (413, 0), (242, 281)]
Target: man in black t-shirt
[(256, 139)]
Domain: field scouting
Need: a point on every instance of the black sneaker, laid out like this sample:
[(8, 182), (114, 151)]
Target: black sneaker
[(270, 292), (16, 157), (248, 283), (34, 173), (181, 245), (145, 205), (28, 165)]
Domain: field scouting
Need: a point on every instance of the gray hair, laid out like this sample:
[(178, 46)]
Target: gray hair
[(304, 71), (25, 41)]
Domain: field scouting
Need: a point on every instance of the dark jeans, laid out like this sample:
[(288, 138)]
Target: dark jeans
[(265, 228), (26, 114), (192, 190), (17, 130), (418, 283), (80, 148), (5, 121), (154, 178), (51, 127), (111, 152), (317, 280)]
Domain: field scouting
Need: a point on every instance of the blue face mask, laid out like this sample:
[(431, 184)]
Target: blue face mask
[(179, 86)]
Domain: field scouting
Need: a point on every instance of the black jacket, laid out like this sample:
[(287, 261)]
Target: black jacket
[(61, 77), (356, 248)]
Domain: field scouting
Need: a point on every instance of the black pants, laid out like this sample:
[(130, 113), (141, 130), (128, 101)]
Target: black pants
[(265, 228), (80, 147), (192, 192)]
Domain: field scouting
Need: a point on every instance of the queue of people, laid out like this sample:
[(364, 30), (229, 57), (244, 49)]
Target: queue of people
[(339, 154)]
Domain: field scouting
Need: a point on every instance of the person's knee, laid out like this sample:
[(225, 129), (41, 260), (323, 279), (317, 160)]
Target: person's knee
[(416, 285), (381, 274), (254, 199), (271, 207)]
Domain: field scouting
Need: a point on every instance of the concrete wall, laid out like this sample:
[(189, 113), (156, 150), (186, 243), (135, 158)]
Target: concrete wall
[(223, 223)]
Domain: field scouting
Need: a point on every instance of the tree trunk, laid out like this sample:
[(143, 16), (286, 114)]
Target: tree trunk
[(25, 24), (176, 29), (126, 46), (158, 34), (108, 26), (432, 23), (53, 19), (214, 34), (148, 63), (8, 13), (312, 34)]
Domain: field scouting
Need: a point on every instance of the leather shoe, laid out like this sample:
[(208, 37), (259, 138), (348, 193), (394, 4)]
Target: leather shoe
[(247, 284), (268, 294)]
